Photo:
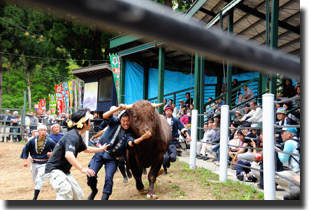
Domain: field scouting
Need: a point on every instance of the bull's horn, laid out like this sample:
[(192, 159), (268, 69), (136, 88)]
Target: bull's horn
[(129, 106), (157, 105)]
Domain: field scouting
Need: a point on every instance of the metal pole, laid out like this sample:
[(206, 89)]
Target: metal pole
[(201, 95), (268, 147), (161, 74), (224, 143), (197, 81), (229, 66), (194, 139), (274, 40)]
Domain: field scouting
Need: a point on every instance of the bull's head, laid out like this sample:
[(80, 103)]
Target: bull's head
[(143, 117)]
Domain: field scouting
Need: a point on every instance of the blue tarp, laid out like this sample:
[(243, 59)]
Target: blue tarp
[(173, 81)]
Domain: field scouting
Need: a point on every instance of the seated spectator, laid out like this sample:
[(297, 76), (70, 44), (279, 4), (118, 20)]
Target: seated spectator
[(206, 137), (291, 145), (181, 104), (287, 89), (218, 105), (185, 118), (56, 135), (294, 190), (170, 102), (210, 107), (255, 115), (296, 102), (206, 149), (237, 117), (247, 94), (182, 112), (175, 111), (293, 116)]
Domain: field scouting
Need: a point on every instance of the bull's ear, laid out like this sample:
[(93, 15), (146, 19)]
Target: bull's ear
[(157, 105)]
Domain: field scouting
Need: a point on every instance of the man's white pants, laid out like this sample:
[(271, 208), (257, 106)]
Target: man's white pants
[(66, 186), (38, 176)]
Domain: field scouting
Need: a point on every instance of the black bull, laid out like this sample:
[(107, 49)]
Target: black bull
[(150, 152)]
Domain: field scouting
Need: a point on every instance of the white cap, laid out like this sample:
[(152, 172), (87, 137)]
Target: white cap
[(42, 126), (55, 125)]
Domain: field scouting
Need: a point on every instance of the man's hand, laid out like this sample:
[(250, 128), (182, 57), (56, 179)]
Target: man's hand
[(147, 135), (104, 147), (188, 139), (253, 143), (49, 154), (88, 172), (26, 163), (122, 106)]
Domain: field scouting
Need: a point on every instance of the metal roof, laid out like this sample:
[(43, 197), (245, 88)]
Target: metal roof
[(95, 70), (249, 22)]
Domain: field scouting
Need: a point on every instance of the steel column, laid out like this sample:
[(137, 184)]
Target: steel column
[(229, 66), (274, 41), (201, 95), (145, 82), (161, 68)]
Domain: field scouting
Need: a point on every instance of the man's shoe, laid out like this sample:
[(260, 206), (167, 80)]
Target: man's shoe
[(205, 158), (105, 196), (241, 176), (92, 195)]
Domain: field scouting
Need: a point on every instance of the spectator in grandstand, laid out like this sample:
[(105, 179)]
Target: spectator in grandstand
[(294, 190), (247, 94), (56, 135), (293, 116), (255, 115), (185, 118), (181, 104), (291, 146), (206, 149), (287, 89), (206, 138), (189, 100), (246, 174), (182, 112), (175, 111), (165, 102), (217, 118), (6, 130), (296, 102), (170, 101), (282, 116), (237, 117)]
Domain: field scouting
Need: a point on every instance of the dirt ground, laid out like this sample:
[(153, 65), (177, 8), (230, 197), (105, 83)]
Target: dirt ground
[(16, 181)]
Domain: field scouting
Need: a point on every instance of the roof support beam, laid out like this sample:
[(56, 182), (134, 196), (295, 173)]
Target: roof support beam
[(261, 15), (123, 40), (139, 48)]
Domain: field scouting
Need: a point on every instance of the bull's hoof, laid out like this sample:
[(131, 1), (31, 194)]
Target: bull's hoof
[(151, 197)]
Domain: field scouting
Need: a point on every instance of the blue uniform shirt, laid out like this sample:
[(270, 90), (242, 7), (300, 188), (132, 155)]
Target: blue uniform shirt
[(30, 147), (175, 126), (55, 137)]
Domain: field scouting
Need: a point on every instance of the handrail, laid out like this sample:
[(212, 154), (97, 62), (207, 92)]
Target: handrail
[(180, 91), (233, 90)]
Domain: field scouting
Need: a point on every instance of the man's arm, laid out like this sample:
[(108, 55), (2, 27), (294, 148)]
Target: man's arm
[(145, 136), (107, 114), (73, 161), (97, 149)]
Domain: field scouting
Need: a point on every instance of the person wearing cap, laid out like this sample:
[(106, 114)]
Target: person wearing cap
[(176, 125), (291, 145), (282, 116), (56, 135), (39, 148), (64, 155), (34, 133), (119, 137)]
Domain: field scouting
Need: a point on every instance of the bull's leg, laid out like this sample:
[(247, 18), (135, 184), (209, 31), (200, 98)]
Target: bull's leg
[(136, 171), (154, 172)]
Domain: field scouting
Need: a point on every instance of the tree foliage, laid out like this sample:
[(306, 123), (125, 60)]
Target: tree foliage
[(42, 47)]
